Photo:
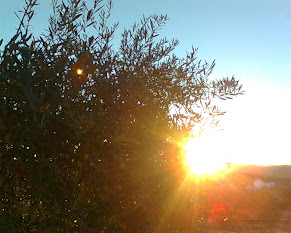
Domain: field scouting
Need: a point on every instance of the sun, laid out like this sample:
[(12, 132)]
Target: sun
[(202, 156)]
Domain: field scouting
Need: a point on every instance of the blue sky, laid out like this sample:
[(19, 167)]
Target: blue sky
[(249, 39)]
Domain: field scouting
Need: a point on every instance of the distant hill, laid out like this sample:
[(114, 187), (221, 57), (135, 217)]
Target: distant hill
[(278, 171)]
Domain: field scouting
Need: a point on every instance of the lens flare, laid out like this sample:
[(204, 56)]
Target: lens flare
[(79, 71)]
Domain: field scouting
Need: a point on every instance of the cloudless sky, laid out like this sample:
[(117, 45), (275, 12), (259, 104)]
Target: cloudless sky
[(249, 39)]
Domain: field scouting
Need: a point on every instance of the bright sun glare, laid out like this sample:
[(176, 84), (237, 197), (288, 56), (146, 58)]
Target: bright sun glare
[(202, 156)]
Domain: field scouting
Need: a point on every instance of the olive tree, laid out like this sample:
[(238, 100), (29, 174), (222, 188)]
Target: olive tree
[(88, 131)]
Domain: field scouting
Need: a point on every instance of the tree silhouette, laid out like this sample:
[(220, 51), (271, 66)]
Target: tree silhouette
[(87, 138)]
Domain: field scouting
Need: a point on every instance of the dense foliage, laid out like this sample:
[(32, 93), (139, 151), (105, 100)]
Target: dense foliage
[(88, 133)]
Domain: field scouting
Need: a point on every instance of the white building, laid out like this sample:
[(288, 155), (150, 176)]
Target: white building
[(258, 184)]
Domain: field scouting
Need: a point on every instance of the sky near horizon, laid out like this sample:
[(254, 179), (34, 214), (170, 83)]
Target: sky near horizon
[(248, 39)]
